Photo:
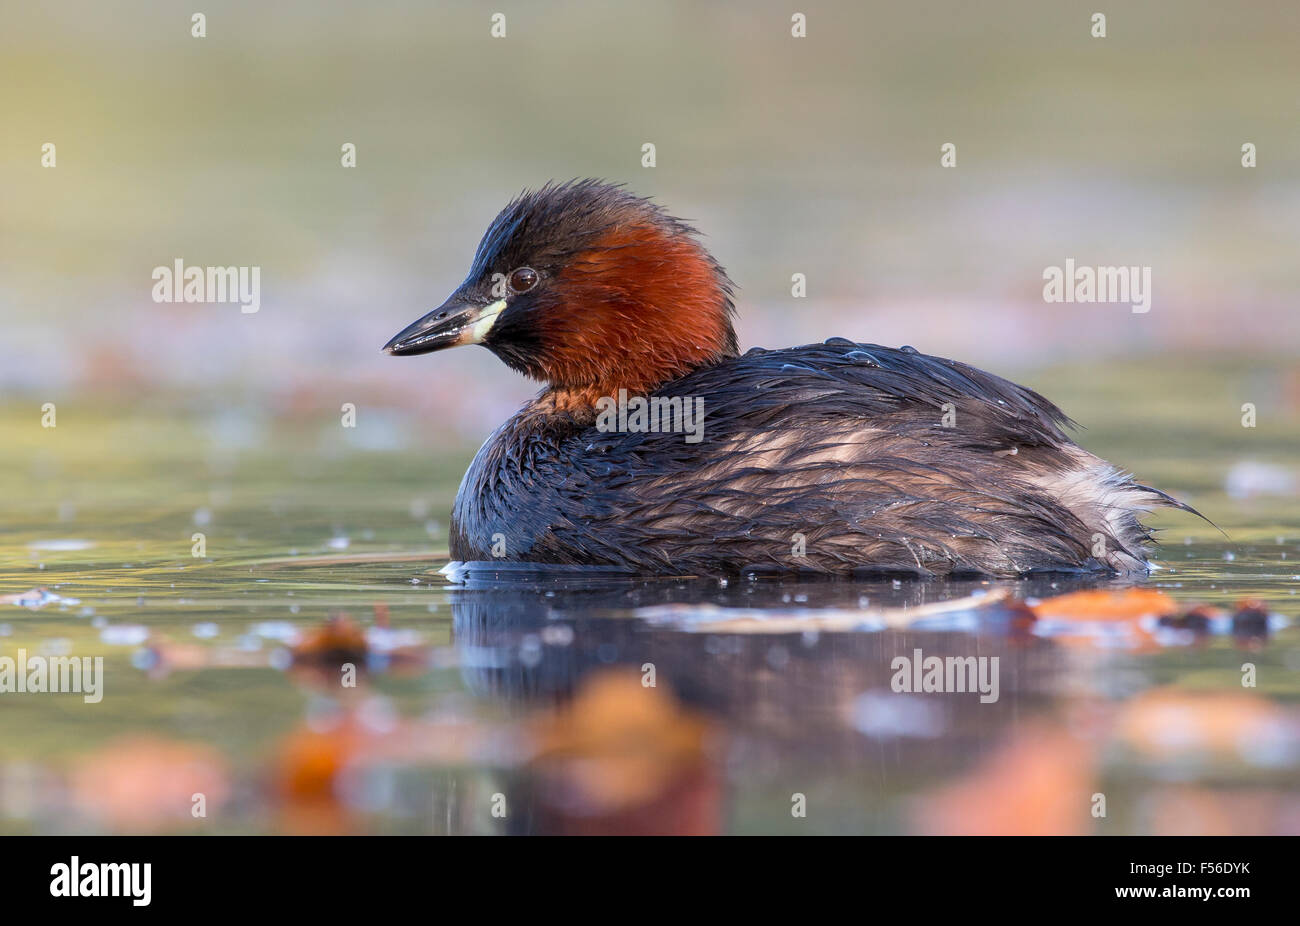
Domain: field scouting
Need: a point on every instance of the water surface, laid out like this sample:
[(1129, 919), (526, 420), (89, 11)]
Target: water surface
[(511, 702)]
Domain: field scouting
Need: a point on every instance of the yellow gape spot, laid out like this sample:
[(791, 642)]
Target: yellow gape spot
[(485, 321)]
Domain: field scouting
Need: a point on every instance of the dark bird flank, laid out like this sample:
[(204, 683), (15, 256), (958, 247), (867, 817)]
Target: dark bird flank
[(833, 458)]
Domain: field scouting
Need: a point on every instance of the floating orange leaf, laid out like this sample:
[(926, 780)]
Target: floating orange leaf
[(1107, 605), (337, 641), (1039, 783), (623, 758), (1170, 723), (145, 784)]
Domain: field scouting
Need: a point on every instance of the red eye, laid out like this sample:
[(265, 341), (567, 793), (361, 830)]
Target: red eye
[(523, 279)]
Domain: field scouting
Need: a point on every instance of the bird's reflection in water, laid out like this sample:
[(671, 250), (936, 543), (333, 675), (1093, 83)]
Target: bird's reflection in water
[(649, 715)]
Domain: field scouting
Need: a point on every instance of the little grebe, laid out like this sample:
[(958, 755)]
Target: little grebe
[(655, 447)]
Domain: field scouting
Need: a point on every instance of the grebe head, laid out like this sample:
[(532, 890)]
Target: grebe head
[(589, 288)]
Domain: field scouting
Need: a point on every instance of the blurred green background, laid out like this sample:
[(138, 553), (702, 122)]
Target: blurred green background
[(817, 155)]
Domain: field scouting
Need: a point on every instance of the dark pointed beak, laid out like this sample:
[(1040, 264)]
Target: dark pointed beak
[(453, 323)]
